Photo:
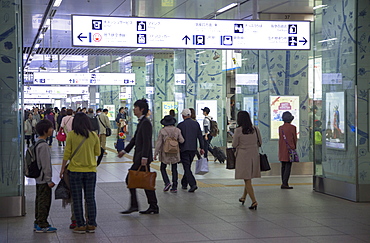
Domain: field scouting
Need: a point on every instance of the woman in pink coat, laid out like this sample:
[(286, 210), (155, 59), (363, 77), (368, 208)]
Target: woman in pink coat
[(247, 140), (290, 132)]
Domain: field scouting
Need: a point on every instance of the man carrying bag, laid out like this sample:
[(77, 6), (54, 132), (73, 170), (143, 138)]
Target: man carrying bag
[(143, 156)]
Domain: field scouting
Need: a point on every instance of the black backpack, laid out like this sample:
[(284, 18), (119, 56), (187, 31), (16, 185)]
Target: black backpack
[(94, 123), (213, 130), (31, 169)]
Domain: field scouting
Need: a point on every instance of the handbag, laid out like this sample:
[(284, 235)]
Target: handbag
[(231, 159), (62, 191), (201, 166), (141, 179), (61, 136), (264, 162), (293, 156)]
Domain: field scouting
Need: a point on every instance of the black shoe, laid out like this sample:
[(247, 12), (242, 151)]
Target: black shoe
[(184, 188), (193, 188), (286, 187), (151, 210), (130, 210)]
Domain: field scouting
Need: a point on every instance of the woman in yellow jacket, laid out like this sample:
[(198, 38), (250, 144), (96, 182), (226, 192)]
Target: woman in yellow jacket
[(82, 145)]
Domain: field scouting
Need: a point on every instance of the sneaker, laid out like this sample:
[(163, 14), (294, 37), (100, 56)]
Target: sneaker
[(34, 227), (45, 230), (80, 230), (90, 228), (173, 190), (73, 224), (167, 187)]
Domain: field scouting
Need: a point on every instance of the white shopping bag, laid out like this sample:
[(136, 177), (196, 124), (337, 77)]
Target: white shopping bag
[(201, 167)]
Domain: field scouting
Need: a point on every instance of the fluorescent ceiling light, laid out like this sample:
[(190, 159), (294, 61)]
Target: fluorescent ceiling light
[(319, 6), (47, 23), (231, 5), (57, 3), (332, 39)]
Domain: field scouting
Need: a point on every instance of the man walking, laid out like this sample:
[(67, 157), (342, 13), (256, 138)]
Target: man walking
[(190, 130), (207, 131), (104, 123), (143, 155)]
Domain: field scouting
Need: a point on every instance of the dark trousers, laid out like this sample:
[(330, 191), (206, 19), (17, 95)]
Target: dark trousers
[(49, 140), (28, 138), (174, 175), (207, 146), (186, 160), (87, 182), (285, 172), (150, 194), (42, 205)]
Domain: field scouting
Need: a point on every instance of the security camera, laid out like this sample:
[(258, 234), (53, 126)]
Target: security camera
[(51, 59)]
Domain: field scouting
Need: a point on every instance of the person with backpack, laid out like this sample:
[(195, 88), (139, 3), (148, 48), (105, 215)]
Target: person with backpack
[(94, 121), (167, 147), (207, 131), (44, 182)]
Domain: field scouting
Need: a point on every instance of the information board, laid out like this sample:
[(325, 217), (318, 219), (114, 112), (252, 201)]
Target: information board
[(84, 78), (104, 31)]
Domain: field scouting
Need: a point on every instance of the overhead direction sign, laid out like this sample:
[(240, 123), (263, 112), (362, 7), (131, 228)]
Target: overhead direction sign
[(104, 31), (84, 78)]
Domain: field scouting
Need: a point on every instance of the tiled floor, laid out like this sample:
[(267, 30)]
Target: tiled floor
[(211, 214)]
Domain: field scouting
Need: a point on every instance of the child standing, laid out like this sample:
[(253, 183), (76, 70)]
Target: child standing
[(44, 182), (121, 135), (169, 130)]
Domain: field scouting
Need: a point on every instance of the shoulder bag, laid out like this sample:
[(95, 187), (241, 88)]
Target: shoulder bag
[(79, 146), (264, 163), (108, 131), (293, 156)]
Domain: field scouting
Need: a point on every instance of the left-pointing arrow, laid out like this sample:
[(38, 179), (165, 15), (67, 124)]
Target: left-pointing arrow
[(80, 37), (304, 40)]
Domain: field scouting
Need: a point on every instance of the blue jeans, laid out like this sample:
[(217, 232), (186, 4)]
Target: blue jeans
[(87, 182)]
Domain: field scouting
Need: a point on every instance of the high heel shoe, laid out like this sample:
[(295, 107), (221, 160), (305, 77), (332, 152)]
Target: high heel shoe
[(254, 206), (242, 200)]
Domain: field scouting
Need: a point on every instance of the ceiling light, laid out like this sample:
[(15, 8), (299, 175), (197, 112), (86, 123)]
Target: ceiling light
[(319, 6), (332, 39), (57, 3), (231, 5)]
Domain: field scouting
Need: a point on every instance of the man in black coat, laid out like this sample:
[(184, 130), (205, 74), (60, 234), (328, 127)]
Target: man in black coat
[(190, 130), (143, 155)]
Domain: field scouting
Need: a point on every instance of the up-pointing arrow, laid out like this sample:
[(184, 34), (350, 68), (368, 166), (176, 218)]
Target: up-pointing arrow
[(186, 37)]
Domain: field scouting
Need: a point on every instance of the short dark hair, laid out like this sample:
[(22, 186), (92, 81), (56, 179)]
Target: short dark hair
[(287, 117), (105, 110), (43, 126), (143, 105), (81, 124), (122, 108), (90, 110), (98, 110), (69, 112)]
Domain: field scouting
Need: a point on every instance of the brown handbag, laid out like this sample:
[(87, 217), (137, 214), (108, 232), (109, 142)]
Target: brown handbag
[(231, 159), (141, 179)]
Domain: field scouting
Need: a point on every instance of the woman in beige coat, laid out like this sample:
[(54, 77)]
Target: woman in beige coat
[(247, 140), (169, 130)]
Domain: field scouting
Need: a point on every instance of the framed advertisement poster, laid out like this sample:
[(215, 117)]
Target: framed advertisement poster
[(111, 112), (200, 104), (335, 133), (279, 105), (248, 105)]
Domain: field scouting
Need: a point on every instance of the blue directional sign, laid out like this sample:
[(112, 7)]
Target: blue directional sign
[(106, 31)]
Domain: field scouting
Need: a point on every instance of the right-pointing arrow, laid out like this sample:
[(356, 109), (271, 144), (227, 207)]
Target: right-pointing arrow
[(186, 37), (304, 40)]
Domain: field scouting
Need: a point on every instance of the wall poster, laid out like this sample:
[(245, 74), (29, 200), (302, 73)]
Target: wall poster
[(211, 104), (111, 112), (279, 105), (335, 132), (248, 105), (167, 106)]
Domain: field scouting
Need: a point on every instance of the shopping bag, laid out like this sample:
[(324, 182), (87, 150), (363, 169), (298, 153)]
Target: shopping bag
[(141, 179), (62, 191), (231, 159), (264, 163), (201, 166)]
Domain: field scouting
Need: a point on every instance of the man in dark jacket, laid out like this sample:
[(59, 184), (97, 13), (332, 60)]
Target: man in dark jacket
[(190, 130), (143, 155)]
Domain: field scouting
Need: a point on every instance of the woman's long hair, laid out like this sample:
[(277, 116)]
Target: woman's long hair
[(81, 124), (244, 121)]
